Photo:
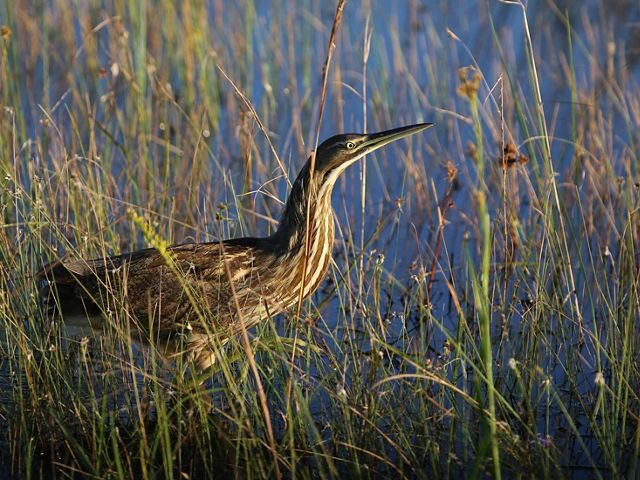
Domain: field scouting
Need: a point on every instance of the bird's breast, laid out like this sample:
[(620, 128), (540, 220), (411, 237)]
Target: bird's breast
[(317, 254), (320, 248)]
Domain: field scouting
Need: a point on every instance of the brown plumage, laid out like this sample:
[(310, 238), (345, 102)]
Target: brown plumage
[(186, 304)]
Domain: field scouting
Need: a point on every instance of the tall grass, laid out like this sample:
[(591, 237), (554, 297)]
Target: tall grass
[(481, 315)]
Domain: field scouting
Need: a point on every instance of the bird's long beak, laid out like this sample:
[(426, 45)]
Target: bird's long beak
[(374, 141)]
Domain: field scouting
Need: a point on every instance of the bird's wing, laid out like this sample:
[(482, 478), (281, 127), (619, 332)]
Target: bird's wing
[(188, 282)]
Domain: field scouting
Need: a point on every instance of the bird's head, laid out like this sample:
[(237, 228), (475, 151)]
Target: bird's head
[(335, 154)]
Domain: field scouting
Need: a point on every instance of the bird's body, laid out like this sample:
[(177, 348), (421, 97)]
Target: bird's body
[(193, 297)]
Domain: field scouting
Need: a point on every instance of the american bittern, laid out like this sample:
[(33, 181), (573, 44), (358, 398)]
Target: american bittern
[(184, 300)]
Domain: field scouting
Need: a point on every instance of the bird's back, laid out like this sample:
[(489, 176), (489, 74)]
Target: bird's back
[(165, 293)]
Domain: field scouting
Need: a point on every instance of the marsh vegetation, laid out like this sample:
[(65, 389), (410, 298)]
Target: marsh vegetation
[(482, 312)]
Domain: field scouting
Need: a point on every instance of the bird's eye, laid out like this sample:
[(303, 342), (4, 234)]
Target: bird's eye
[(350, 145)]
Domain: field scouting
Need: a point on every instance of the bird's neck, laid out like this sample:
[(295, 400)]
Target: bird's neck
[(306, 232), (312, 197)]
